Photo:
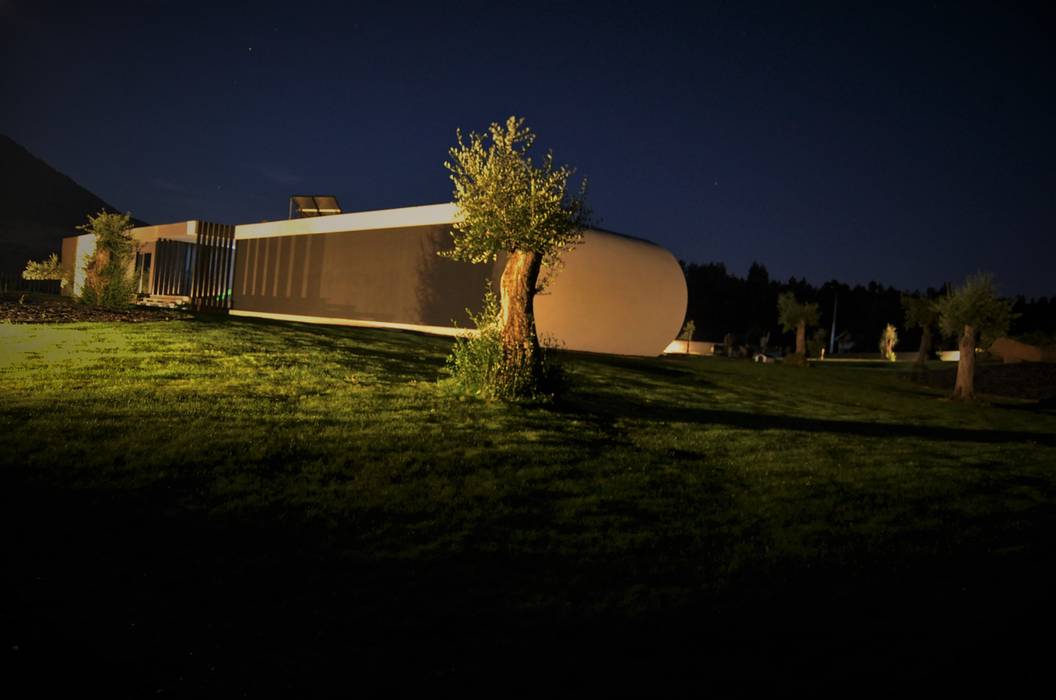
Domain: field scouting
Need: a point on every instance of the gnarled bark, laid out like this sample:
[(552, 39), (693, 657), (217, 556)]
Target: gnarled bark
[(520, 345), (801, 338), (965, 386)]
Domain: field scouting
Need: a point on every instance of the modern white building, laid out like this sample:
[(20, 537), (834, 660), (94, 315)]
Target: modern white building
[(612, 294)]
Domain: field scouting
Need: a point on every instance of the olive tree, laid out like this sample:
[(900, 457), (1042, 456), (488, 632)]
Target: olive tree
[(921, 312), (972, 311), (793, 315), (515, 206)]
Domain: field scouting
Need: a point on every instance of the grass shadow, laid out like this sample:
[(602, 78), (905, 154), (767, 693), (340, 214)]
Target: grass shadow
[(610, 407)]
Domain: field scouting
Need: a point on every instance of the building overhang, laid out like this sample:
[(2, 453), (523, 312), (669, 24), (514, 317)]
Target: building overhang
[(406, 217)]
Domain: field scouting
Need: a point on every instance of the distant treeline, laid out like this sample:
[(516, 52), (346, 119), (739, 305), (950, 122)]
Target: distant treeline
[(721, 303)]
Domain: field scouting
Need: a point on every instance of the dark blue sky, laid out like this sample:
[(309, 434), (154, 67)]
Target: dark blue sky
[(911, 144)]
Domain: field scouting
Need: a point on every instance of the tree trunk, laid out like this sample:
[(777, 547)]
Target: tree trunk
[(94, 275), (965, 386), (801, 338), (925, 347), (520, 345)]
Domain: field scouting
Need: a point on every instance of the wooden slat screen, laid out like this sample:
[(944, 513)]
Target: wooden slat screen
[(173, 264), (213, 267)]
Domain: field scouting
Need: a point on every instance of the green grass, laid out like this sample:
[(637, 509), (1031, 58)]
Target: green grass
[(324, 480)]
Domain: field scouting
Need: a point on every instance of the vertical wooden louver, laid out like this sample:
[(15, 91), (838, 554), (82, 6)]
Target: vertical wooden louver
[(173, 265), (213, 267)]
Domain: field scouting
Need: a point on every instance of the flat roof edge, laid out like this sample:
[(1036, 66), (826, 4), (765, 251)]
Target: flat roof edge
[(405, 217)]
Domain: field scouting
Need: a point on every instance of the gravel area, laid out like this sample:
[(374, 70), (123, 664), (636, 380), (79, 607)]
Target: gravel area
[(37, 308)]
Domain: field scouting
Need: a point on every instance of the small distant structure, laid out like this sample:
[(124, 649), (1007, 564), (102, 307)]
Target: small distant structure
[(303, 206), (691, 347)]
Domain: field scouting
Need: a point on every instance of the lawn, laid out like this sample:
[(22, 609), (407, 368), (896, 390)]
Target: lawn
[(233, 506)]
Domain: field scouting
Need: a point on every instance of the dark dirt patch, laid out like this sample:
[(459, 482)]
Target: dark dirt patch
[(1023, 380), (40, 308)]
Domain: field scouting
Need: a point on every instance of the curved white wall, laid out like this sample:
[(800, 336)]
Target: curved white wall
[(614, 294)]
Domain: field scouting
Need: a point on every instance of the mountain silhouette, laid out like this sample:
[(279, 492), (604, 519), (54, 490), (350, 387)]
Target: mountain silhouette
[(39, 206)]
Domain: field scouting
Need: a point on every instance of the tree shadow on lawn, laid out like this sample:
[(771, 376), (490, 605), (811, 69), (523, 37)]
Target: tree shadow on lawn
[(405, 353), (608, 407)]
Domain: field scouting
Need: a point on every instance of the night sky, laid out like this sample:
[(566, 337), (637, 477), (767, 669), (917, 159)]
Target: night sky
[(912, 145)]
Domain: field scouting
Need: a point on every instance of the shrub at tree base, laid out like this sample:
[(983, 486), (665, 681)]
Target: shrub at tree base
[(477, 365)]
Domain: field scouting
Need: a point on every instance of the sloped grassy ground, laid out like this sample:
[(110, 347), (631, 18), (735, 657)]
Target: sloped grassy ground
[(242, 507)]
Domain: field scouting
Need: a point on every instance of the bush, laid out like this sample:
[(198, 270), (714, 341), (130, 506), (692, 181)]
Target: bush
[(888, 339), (109, 280), (476, 361), (50, 269)]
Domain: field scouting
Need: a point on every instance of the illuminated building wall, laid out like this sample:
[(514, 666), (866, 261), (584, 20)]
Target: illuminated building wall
[(613, 294)]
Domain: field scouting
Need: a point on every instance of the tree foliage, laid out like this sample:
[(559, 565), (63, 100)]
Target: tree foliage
[(109, 278), (794, 315), (509, 202), (791, 313), (920, 312), (975, 304), (50, 269)]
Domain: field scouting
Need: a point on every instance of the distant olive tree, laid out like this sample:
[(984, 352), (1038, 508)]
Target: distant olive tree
[(50, 269), (108, 273), (888, 340), (972, 311), (687, 331), (920, 311), (792, 315)]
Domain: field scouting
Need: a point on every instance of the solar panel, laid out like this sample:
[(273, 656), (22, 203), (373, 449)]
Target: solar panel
[(305, 205)]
